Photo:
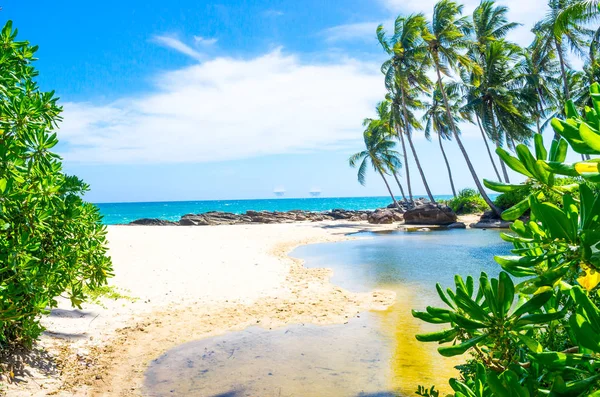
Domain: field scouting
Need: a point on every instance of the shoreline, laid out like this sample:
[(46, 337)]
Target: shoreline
[(191, 283), (105, 350)]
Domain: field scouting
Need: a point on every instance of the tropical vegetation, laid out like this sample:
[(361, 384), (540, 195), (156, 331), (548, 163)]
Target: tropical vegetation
[(448, 70), (534, 329), (51, 241)]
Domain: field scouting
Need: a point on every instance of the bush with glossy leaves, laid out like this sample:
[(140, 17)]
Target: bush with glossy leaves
[(541, 335), (51, 241)]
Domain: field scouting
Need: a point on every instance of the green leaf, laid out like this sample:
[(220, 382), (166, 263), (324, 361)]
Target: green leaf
[(561, 168), (427, 317), (506, 293), (539, 318), (513, 162), (436, 336), (502, 187), (449, 351), (554, 219), (516, 210), (531, 343), (524, 261), (591, 138), (466, 323), (540, 150), (533, 304)]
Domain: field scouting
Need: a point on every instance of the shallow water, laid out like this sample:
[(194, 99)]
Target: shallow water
[(375, 354)]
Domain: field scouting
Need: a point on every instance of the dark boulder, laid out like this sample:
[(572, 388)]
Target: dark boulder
[(384, 216), (430, 214), (457, 225), (152, 222)]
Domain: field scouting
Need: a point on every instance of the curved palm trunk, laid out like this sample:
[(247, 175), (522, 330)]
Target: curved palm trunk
[(502, 165), (412, 147), (537, 119), (408, 185), (400, 186), (487, 146), (563, 71), (389, 190), (460, 145), (447, 165)]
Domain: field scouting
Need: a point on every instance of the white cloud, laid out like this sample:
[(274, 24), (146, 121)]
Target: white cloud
[(352, 31), (228, 109), (205, 40), (273, 13), (178, 45)]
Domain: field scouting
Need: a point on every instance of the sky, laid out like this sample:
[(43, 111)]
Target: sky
[(230, 99)]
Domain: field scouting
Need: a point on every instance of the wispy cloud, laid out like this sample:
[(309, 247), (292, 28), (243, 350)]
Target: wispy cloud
[(272, 13), (364, 31), (205, 41), (179, 46), (227, 108)]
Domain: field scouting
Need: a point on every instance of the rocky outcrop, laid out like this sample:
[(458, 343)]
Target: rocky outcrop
[(249, 217), (385, 216), (489, 220), (405, 205), (152, 222), (457, 225), (430, 214)]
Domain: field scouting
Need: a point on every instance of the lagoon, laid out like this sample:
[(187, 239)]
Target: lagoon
[(374, 354)]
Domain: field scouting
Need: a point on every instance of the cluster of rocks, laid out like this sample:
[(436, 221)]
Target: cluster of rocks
[(249, 217), (424, 213), (406, 205)]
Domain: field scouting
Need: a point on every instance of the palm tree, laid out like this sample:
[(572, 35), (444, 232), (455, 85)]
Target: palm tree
[(538, 70), (489, 23), (380, 155), (404, 72), (436, 119), (383, 125), (444, 36), (498, 103), (558, 33)]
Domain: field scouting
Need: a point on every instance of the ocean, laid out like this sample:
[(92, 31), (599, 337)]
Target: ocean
[(119, 213)]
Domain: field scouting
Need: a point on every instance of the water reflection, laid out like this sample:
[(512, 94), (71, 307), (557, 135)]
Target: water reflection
[(373, 355)]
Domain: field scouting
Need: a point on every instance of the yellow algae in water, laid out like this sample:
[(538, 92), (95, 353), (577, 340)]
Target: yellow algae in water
[(414, 363)]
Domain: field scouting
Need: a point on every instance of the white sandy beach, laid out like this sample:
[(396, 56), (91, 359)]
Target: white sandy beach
[(188, 283)]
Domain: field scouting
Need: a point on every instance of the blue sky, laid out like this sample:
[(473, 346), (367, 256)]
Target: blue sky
[(192, 100)]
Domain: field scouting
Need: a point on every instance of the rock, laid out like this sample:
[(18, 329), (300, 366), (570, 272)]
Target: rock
[(490, 220), (430, 214), (152, 222), (457, 225), (384, 216), (491, 225)]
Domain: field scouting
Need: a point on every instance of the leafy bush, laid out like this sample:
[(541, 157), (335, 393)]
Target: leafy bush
[(540, 336), (511, 198), (51, 241), (468, 201)]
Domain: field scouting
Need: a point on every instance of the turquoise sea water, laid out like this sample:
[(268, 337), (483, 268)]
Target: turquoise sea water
[(117, 213)]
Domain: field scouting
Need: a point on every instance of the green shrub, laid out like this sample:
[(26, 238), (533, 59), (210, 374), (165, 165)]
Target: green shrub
[(538, 336), (468, 201), (51, 241)]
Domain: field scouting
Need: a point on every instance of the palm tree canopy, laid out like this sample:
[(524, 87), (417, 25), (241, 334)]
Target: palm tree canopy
[(436, 117), (379, 153)]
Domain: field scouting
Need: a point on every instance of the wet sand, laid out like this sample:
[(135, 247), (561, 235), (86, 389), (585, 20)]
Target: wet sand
[(189, 283)]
